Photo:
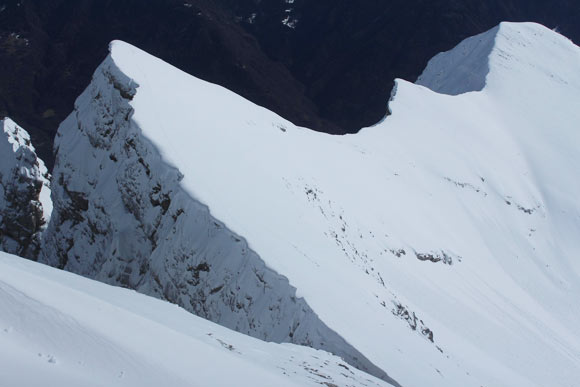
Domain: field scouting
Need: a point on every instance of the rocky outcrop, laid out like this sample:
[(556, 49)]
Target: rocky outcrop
[(24, 192)]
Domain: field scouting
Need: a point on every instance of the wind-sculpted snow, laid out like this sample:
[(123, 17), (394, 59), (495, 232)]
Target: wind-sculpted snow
[(59, 329), (25, 205), (440, 244)]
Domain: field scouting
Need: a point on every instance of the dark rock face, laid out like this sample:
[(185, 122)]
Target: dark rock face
[(328, 65), (22, 178)]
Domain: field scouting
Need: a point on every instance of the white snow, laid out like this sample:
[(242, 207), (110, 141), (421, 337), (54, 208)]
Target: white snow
[(60, 329), (456, 215)]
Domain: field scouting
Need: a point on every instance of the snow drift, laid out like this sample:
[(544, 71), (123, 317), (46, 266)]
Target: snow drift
[(439, 245)]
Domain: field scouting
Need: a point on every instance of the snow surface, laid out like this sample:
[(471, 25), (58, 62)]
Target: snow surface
[(60, 329), (441, 243)]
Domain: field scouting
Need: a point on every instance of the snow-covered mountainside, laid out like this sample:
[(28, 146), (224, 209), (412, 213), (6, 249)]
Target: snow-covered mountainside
[(25, 204), (122, 216), (72, 331), (439, 246)]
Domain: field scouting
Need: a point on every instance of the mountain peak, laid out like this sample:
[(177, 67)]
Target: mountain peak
[(506, 53)]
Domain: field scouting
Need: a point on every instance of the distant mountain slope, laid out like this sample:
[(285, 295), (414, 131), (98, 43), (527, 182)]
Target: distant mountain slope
[(325, 64), (439, 246), (59, 329)]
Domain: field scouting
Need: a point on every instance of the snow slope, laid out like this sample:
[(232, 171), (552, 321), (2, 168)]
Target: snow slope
[(25, 204), (441, 244), (72, 331)]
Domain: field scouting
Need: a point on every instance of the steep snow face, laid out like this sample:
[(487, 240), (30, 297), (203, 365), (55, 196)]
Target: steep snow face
[(506, 54), (441, 243), (464, 68), (72, 331), (25, 204)]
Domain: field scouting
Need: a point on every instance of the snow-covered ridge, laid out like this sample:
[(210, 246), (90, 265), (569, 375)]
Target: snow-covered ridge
[(440, 244), (59, 329), (122, 217), (25, 204)]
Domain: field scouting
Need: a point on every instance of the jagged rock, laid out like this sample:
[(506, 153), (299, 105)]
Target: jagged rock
[(24, 192)]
